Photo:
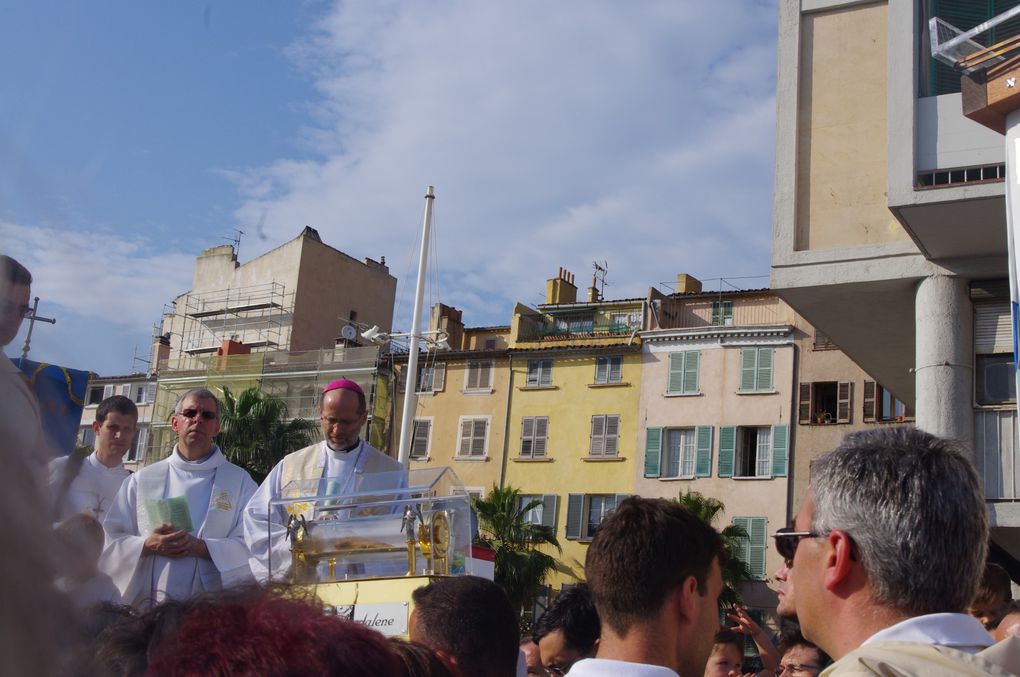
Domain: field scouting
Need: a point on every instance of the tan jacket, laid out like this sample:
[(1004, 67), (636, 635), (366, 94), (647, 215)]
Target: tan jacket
[(908, 659)]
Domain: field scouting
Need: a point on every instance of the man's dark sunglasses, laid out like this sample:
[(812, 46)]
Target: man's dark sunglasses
[(192, 413), (787, 541)]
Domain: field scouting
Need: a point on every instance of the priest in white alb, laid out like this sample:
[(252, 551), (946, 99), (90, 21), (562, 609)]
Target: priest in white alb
[(175, 528), (342, 458)]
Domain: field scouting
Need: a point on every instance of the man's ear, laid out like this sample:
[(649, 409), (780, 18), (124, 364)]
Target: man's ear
[(682, 601), (449, 660), (839, 559), (96, 426)]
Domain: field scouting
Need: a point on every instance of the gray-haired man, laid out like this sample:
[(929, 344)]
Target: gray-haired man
[(887, 551)]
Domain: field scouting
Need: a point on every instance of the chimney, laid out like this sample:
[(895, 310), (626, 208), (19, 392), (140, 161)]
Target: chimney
[(561, 289), (232, 347), (593, 291), (687, 284), (160, 351), (448, 319)]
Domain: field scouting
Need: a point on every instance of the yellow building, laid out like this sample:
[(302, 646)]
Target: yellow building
[(575, 370)]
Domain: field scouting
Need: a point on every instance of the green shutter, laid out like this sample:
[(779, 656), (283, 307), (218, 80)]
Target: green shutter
[(743, 543), (727, 450), (764, 369), (703, 462), (575, 506), (757, 533), (780, 450), (748, 367), (653, 452), (692, 358), (676, 373), (549, 504)]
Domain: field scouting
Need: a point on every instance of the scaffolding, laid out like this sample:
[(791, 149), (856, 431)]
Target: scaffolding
[(259, 316)]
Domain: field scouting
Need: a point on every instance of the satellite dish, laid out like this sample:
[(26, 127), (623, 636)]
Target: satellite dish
[(349, 332)]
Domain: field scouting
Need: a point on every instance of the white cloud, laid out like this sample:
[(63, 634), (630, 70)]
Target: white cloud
[(555, 133)]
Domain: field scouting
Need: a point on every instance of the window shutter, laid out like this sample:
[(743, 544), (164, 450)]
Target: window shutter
[(575, 506), (478, 441), (675, 384), (107, 391), (804, 405), (764, 369), (485, 375), (601, 369), (598, 440), (546, 377), (612, 445), (727, 450), (465, 437), (993, 328), (615, 369), (845, 391), (527, 435), (653, 452), (692, 360), (748, 367), (703, 464), (550, 503), (780, 449), (716, 312), (757, 545), (438, 377), (743, 550), (541, 432), (402, 379), (869, 401), (420, 439), (533, 373), (150, 392)]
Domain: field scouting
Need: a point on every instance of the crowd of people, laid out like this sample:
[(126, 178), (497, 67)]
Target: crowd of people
[(171, 570)]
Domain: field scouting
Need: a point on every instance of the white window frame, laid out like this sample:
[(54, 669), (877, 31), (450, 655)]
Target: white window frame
[(460, 437), (539, 373), (602, 443), (415, 427), (762, 450), (136, 451), (604, 366), (426, 382), (533, 516), (687, 458), (478, 371), (534, 436)]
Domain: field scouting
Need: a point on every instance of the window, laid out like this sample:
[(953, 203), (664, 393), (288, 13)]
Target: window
[(473, 437), (95, 395), (534, 430), (490, 344), (995, 379), (825, 402), (421, 435), (722, 312), (539, 373), (882, 405), (479, 375), (756, 370), (752, 548), (609, 369), (586, 511), (544, 513), (145, 393), (625, 321), (753, 451), (605, 433), (683, 373), (137, 450), (823, 342), (964, 15), (678, 452), (87, 436), (432, 378)]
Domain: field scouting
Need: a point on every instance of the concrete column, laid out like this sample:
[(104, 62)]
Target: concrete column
[(944, 373)]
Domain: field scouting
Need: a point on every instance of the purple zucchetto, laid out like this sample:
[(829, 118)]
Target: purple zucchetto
[(343, 384)]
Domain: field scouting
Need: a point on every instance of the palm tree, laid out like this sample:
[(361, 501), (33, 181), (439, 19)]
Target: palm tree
[(520, 565), (735, 571), (255, 433)]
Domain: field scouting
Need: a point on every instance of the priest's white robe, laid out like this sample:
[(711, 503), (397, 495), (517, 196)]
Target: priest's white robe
[(265, 534), (92, 491), (216, 491)]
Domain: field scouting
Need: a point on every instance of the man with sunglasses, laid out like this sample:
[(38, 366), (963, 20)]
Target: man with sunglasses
[(175, 527), (342, 458), (886, 553)]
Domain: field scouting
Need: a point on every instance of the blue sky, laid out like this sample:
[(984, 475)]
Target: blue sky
[(135, 135)]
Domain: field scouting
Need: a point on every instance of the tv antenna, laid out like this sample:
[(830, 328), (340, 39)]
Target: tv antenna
[(598, 279), (236, 241)]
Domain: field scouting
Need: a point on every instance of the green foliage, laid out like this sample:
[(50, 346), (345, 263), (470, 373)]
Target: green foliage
[(735, 571), (520, 565), (255, 433)]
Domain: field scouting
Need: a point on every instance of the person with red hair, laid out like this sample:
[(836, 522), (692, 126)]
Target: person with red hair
[(271, 636)]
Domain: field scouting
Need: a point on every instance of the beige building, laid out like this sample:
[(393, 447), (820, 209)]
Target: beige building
[(141, 389), (889, 223)]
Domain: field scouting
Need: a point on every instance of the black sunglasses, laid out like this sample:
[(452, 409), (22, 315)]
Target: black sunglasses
[(787, 541), (192, 413)]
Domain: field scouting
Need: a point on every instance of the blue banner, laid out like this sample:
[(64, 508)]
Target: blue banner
[(61, 395)]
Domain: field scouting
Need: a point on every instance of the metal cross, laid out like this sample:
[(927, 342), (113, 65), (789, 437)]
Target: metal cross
[(32, 318)]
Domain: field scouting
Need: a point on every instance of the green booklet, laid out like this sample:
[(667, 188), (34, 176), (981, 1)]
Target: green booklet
[(172, 511)]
